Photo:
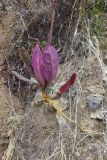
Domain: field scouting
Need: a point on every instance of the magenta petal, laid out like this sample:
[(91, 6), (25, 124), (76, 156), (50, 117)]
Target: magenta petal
[(51, 63), (37, 64)]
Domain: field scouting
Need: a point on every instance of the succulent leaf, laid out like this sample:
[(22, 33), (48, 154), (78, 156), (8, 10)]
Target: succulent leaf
[(22, 78)]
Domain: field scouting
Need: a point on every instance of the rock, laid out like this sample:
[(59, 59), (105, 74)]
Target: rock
[(38, 100), (97, 115), (87, 124), (94, 101), (96, 89), (82, 102), (63, 126)]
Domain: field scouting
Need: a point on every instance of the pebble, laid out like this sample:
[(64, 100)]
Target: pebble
[(94, 101)]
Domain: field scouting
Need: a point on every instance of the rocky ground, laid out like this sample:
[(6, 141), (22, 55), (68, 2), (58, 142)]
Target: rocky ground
[(31, 132)]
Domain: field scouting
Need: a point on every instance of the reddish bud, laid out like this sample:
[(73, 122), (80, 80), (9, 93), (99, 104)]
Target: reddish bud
[(68, 84)]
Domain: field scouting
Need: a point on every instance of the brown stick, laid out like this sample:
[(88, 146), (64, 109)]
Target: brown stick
[(52, 21)]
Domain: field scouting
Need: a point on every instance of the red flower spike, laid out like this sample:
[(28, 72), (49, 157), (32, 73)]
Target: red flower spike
[(68, 84)]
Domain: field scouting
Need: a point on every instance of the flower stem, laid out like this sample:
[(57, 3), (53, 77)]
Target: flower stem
[(52, 21)]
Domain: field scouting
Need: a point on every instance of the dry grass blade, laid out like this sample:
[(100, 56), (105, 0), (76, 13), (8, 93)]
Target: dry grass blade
[(9, 152)]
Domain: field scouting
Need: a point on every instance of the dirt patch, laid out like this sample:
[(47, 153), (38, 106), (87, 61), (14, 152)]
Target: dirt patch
[(15, 113), (31, 132)]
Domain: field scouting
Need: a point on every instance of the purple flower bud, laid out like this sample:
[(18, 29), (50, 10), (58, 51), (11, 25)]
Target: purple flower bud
[(45, 64), (51, 63), (38, 65)]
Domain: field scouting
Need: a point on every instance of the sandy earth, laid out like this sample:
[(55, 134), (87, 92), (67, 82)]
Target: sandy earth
[(37, 133), (5, 97)]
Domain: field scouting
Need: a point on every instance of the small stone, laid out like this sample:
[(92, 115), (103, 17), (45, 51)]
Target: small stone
[(1, 6), (38, 100), (63, 127), (97, 115), (94, 101)]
